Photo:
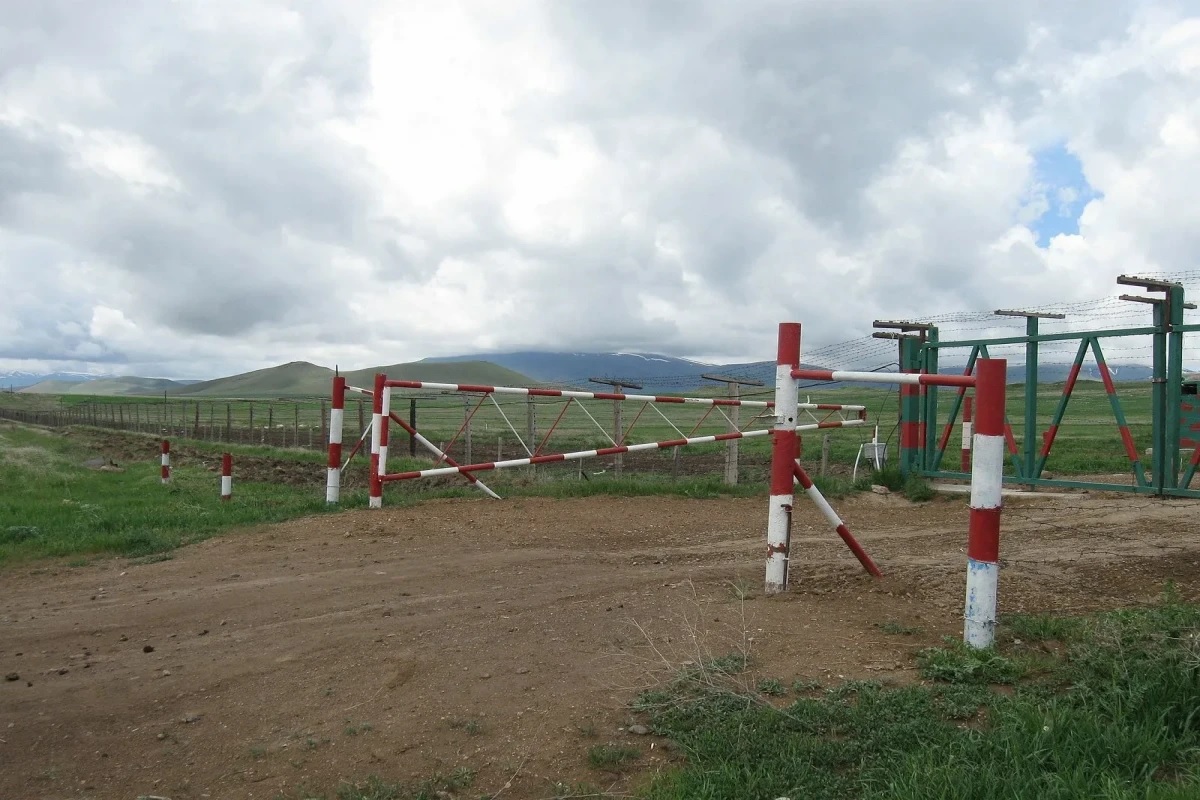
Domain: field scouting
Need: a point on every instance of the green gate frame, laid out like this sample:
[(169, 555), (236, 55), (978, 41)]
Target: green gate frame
[(1028, 462)]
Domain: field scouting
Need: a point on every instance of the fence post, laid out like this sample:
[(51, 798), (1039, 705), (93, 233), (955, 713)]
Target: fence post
[(228, 422), (296, 425), (196, 422), (531, 430), (910, 407), (166, 461), (987, 480), (376, 491), (467, 456), (270, 432), (250, 424), (1175, 308), (412, 421), (324, 424), (783, 458), (824, 453)]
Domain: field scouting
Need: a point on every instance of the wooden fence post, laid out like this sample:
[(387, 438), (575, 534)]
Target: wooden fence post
[(531, 431), (412, 421), (467, 448)]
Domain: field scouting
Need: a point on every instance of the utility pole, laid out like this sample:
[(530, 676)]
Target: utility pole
[(731, 447), (618, 426)]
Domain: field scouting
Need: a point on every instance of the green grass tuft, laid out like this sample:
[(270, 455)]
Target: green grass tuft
[(1114, 716)]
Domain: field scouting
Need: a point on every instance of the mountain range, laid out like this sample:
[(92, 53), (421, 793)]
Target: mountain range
[(652, 371)]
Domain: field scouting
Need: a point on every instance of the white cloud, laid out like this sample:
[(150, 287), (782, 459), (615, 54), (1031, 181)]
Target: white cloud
[(197, 188)]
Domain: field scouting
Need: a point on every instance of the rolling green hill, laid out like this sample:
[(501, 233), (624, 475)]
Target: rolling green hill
[(300, 378), (295, 378), (50, 387), (125, 386)]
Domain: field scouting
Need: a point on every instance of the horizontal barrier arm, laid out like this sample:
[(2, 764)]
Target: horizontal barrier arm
[(606, 451), (921, 378)]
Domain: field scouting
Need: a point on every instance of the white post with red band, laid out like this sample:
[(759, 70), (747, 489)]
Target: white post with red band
[(226, 476), (337, 416), (376, 482), (166, 462), (987, 480), (783, 458)]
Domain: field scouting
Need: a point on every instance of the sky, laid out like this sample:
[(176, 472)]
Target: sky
[(202, 187)]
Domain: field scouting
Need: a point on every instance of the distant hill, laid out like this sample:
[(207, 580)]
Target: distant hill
[(294, 378), (577, 368), (50, 387), (126, 386), (20, 379), (300, 378), (479, 372)]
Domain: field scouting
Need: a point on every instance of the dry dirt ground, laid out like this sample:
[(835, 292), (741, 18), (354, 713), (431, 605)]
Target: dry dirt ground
[(505, 637)]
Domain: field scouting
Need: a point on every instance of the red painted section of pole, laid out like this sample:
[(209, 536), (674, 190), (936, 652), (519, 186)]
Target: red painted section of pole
[(165, 460), (337, 403), (987, 481)]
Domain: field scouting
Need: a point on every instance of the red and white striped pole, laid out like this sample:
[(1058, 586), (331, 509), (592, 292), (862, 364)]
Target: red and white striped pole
[(783, 458), (166, 462), (820, 502), (337, 414), (385, 429), (376, 484), (966, 439), (226, 476), (987, 480)]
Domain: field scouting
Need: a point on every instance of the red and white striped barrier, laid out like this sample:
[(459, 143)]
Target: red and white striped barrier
[(987, 480), (902, 378), (166, 462), (966, 433), (783, 456), (226, 476), (645, 398), (818, 499), (603, 451), (337, 417), (987, 473)]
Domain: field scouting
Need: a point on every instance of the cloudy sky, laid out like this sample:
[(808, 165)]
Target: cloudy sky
[(198, 187)]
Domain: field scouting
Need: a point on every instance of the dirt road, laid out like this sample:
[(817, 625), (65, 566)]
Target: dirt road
[(506, 638)]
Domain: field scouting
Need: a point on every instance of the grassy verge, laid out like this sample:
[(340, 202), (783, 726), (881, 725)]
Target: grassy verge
[(53, 505), (1100, 707)]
